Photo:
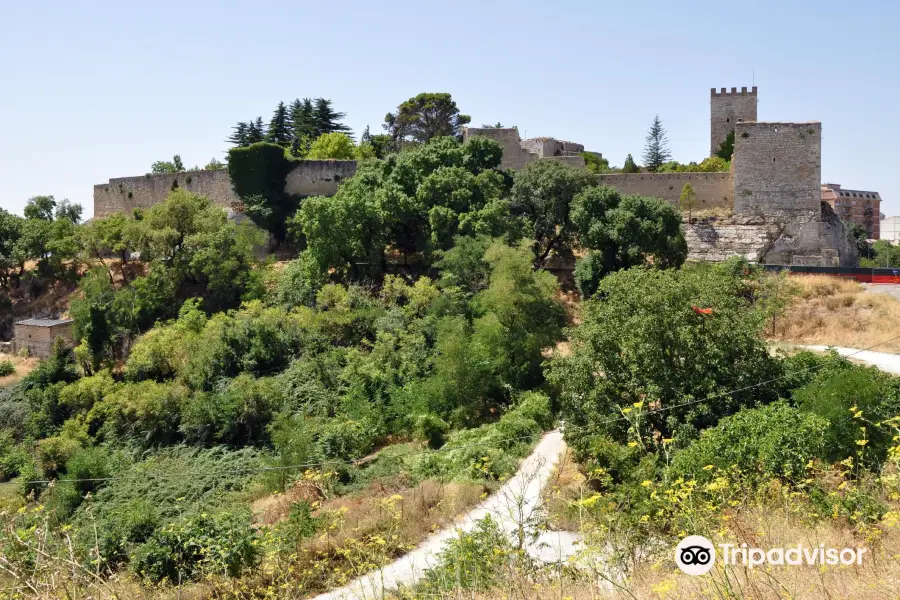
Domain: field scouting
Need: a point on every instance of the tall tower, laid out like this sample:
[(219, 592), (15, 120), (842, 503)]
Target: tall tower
[(725, 110)]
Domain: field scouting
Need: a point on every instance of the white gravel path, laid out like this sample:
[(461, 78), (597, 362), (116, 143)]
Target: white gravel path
[(516, 502), (884, 361)]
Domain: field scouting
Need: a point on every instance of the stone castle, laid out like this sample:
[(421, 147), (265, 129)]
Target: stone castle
[(772, 193)]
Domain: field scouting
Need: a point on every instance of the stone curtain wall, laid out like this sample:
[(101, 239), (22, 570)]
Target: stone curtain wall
[(713, 190), (318, 177), (726, 110), (124, 194), (514, 156), (778, 170)]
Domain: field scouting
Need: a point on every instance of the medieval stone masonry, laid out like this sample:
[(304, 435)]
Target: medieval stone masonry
[(726, 110), (773, 191)]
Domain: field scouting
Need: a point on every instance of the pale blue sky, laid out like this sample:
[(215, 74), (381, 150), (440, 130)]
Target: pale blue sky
[(98, 89)]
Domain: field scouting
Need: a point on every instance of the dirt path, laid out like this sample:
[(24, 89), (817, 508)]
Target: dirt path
[(513, 506), (884, 361)]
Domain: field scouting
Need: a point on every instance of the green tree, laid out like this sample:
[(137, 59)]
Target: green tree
[(543, 191), (859, 237), (278, 131), (332, 145), (101, 238), (596, 164), (10, 232), (40, 207), (647, 347), (240, 135), (302, 124), (416, 201), (69, 211), (687, 200), (327, 120), (424, 117), (726, 148), (215, 164), (629, 166), (164, 166), (656, 151), (256, 131), (381, 143), (623, 232)]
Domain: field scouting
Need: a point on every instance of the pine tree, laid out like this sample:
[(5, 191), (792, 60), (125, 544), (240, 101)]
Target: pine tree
[(300, 117), (656, 152), (256, 131), (278, 127), (629, 166), (326, 119), (239, 137)]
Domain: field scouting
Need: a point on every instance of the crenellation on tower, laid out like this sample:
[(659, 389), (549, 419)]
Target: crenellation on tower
[(726, 109)]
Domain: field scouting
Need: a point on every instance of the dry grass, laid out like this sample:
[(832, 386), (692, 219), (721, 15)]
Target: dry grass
[(834, 311), (23, 367), (877, 577)]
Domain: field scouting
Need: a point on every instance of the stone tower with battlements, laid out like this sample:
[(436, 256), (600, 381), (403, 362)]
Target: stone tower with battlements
[(726, 109)]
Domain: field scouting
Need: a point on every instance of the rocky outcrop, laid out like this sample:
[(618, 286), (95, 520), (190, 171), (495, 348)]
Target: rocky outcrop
[(823, 242)]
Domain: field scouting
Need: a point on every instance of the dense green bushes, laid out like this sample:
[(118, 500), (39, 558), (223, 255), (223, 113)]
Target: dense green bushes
[(775, 440), (642, 348)]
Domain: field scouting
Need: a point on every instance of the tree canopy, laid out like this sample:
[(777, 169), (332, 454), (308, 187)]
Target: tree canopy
[(424, 117)]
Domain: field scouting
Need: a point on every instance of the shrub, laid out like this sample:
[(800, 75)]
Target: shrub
[(54, 452), (165, 487), (83, 394), (14, 409), (432, 428), (7, 368), (145, 412), (772, 441), (237, 413), (91, 464), (853, 400), (474, 560), (535, 406), (333, 145), (344, 439), (13, 457), (299, 282), (196, 545)]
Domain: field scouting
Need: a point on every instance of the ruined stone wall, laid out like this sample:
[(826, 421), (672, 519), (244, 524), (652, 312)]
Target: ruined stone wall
[(778, 170), (318, 177), (514, 156), (726, 110), (124, 194), (714, 190), (549, 147)]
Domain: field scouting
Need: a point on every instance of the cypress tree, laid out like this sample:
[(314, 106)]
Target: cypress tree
[(278, 127), (629, 166)]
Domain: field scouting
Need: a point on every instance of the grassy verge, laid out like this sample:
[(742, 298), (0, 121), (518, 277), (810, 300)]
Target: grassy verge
[(834, 311)]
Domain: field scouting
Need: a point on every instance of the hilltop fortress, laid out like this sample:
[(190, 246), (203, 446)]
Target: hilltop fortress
[(772, 193)]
